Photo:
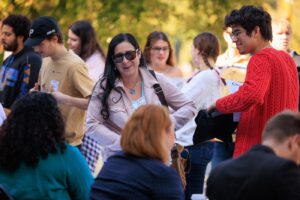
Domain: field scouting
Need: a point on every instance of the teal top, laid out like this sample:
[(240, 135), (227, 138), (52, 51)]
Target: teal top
[(140, 101), (60, 176)]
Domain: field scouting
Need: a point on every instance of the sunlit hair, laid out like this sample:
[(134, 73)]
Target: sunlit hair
[(249, 17), (208, 46), (143, 133), (282, 126), (33, 129), (151, 39), (88, 41), (282, 24)]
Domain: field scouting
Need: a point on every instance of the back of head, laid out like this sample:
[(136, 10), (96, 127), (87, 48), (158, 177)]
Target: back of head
[(282, 126), (208, 46), (143, 133), (151, 39), (249, 17), (32, 130), (20, 25), (88, 41)]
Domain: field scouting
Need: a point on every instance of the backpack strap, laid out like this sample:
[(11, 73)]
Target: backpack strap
[(158, 91)]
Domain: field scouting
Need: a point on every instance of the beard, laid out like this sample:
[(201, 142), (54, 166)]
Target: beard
[(11, 47)]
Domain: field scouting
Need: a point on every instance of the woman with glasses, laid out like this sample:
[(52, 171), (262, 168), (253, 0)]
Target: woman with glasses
[(126, 85), (204, 87), (159, 56), (82, 40), (141, 171)]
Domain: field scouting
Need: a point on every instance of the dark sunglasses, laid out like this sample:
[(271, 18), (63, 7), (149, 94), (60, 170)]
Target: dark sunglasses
[(129, 55)]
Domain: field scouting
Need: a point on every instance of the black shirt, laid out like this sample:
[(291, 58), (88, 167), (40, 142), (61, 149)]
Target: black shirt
[(18, 74)]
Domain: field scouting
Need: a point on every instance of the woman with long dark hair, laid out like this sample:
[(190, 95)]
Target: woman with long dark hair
[(126, 85), (35, 160), (82, 40)]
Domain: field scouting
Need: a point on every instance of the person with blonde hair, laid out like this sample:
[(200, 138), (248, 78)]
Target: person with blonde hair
[(141, 171), (282, 34)]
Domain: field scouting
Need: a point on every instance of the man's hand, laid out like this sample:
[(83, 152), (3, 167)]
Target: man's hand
[(36, 88)]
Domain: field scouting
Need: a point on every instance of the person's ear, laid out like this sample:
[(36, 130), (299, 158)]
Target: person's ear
[(139, 53), (20, 39), (54, 38), (294, 141), (256, 31)]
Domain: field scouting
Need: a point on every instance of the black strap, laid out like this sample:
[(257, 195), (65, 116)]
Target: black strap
[(158, 90)]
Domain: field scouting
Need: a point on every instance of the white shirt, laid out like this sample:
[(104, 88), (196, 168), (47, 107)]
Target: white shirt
[(95, 65), (204, 89)]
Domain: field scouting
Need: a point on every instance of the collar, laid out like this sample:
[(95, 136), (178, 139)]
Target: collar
[(146, 76), (259, 147), (24, 49)]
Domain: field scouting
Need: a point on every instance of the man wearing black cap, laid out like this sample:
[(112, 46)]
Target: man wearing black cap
[(267, 171), (20, 70), (63, 74)]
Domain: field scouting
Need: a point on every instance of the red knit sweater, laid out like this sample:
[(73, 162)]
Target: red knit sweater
[(271, 85)]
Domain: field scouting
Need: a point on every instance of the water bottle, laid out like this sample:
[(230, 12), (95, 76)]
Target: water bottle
[(198, 197)]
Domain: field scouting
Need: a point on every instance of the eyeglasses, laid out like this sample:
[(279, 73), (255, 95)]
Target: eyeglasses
[(235, 34), (129, 55), (158, 49)]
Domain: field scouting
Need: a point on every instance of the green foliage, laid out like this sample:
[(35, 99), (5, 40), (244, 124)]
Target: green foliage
[(180, 19)]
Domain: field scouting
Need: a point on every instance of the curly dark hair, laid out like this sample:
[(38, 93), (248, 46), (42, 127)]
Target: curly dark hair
[(32, 130), (107, 82), (88, 41), (20, 25), (249, 17)]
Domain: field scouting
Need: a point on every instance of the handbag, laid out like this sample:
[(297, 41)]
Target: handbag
[(178, 162), (214, 125)]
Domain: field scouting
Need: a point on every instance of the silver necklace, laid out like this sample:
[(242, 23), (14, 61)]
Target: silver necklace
[(132, 89)]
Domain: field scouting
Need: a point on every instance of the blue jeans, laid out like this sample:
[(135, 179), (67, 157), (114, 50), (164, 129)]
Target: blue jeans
[(200, 156), (222, 151)]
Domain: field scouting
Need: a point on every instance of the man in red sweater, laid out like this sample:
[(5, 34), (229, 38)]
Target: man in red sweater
[(271, 83)]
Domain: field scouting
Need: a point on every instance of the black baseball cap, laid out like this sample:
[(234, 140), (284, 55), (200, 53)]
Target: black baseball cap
[(41, 28)]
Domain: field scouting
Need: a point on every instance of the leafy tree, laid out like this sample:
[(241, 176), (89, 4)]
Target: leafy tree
[(180, 19)]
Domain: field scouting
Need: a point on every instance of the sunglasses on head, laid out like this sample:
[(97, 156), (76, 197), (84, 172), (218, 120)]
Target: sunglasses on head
[(129, 55)]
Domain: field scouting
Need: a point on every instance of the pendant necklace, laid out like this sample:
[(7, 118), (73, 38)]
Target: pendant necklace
[(132, 90)]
